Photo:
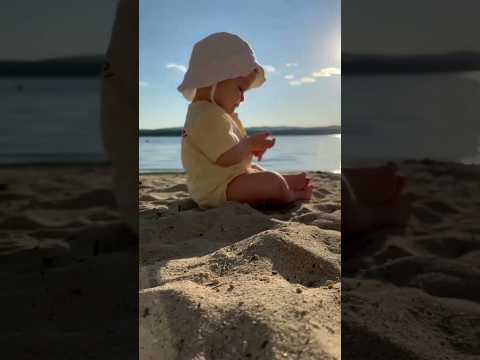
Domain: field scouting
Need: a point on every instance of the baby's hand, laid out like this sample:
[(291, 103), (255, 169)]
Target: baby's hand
[(259, 154), (261, 142)]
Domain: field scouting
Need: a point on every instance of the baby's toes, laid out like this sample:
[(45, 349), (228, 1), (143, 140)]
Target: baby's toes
[(306, 183), (308, 192)]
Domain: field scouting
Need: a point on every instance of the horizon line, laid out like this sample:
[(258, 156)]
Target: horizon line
[(355, 53), (250, 127)]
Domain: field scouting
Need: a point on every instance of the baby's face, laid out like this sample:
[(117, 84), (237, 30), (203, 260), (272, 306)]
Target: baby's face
[(229, 93)]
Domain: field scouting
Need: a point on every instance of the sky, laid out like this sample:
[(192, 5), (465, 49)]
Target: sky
[(306, 33), (297, 41), (410, 26), (32, 30)]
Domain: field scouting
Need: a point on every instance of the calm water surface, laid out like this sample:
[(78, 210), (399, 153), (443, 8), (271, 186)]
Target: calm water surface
[(290, 153)]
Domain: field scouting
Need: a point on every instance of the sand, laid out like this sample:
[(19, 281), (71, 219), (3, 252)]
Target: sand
[(416, 294), (67, 266), (235, 282)]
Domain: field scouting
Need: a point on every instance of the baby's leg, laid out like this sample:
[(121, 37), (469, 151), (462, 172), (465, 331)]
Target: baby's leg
[(260, 187)]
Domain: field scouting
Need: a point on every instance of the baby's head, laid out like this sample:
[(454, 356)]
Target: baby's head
[(221, 68), (228, 94)]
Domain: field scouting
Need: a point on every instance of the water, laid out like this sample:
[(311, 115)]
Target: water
[(290, 153), (50, 120), (385, 118), (392, 117)]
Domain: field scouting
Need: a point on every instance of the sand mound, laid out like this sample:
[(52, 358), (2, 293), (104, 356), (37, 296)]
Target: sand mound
[(236, 282), (167, 235)]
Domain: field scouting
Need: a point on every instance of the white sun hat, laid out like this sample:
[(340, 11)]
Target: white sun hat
[(218, 57)]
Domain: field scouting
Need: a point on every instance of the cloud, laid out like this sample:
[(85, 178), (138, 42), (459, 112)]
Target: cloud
[(291, 64), (269, 68), (303, 80), (320, 74), (289, 77), (307, 80), (177, 67), (142, 83), (326, 72)]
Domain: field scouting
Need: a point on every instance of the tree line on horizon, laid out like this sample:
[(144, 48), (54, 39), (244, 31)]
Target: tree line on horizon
[(276, 130), (91, 65)]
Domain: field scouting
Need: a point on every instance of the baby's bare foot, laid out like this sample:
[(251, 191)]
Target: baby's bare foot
[(382, 179), (304, 194), (298, 181), (391, 215)]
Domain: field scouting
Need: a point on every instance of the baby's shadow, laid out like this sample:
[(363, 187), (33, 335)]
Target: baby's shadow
[(284, 209), (267, 209)]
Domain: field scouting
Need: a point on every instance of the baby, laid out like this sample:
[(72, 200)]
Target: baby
[(217, 153)]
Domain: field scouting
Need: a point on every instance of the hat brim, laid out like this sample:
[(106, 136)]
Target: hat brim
[(189, 91), (260, 78)]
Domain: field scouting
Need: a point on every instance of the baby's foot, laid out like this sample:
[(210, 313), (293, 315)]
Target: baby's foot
[(400, 182), (375, 186), (297, 182), (304, 194), (390, 215)]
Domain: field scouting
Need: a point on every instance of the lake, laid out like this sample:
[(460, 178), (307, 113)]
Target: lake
[(50, 120), (385, 117), (290, 153), (410, 116)]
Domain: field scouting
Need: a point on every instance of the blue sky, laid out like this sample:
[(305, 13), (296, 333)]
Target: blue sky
[(302, 33)]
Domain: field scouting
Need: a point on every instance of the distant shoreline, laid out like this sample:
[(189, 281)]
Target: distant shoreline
[(156, 172), (280, 130), (352, 64), (57, 164), (78, 66)]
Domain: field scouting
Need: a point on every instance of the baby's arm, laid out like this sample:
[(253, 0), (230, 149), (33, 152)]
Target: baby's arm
[(258, 167), (245, 147)]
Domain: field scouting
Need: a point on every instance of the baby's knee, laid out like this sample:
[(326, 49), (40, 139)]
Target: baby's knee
[(278, 183)]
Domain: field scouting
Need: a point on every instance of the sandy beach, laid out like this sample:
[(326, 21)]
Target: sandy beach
[(415, 294), (67, 265), (236, 282)]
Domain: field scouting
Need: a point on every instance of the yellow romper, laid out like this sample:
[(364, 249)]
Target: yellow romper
[(208, 133)]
